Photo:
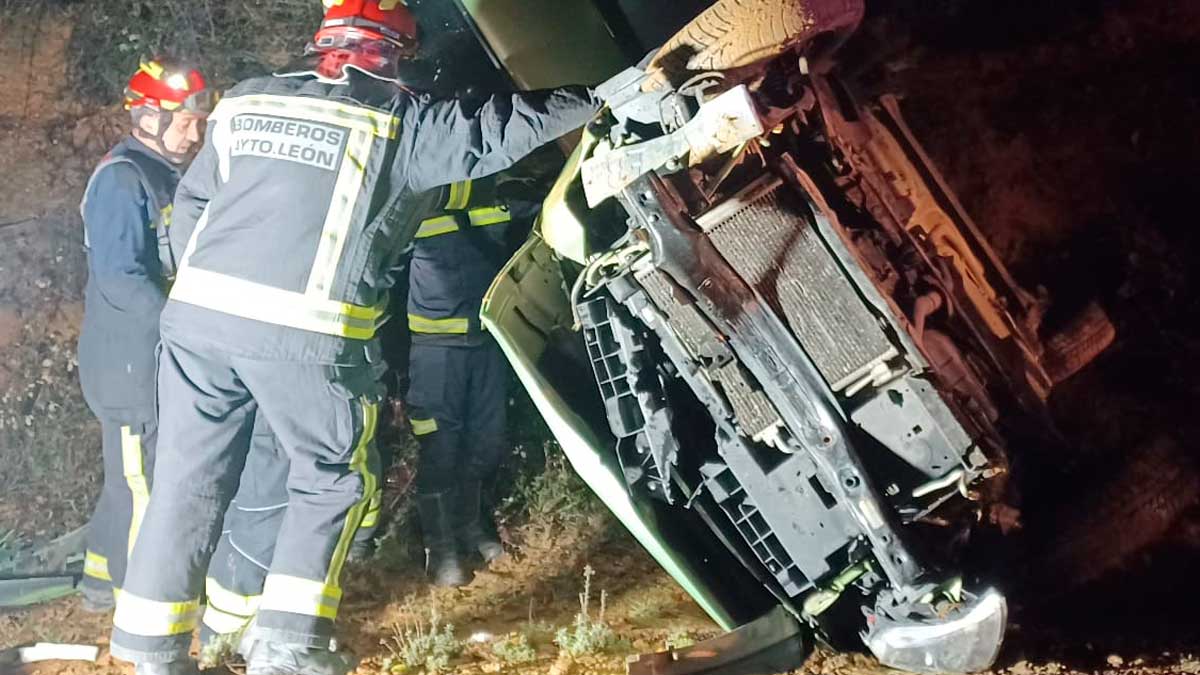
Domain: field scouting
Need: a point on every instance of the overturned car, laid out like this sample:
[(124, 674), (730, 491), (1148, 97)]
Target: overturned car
[(768, 336)]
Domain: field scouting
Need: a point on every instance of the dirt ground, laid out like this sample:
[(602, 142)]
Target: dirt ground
[(536, 591), (1067, 128)]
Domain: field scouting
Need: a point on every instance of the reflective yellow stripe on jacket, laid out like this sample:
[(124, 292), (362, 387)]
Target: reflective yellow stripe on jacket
[(489, 215), (251, 300), (341, 211), (432, 227), (423, 427), (314, 109), (421, 324), (480, 217), (96, 566)]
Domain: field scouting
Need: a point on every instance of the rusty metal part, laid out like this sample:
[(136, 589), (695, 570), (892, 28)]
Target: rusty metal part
[(957, 374), (973, 404), (904, 192), (772, 644), (764, 234), (735, 34)]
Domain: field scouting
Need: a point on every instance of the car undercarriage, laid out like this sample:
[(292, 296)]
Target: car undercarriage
[(803, 345)]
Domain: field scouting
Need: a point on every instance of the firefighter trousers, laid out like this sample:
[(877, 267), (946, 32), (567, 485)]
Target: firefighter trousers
[(324, 418), (128, 448), (239, 567), (457, 402)]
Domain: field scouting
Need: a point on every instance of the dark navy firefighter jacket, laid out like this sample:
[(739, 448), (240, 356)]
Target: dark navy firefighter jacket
[(126, 205), (456, 256)]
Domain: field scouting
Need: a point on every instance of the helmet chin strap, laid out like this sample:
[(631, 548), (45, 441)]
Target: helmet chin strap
[(158, 141)]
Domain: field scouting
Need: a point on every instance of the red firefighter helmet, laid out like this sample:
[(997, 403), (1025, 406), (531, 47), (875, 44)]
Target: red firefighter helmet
[(169, 87), (357, 21)]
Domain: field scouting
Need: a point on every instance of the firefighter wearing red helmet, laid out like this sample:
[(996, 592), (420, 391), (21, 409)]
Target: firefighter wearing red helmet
[(126, 210), (291, 220), (169, 103)]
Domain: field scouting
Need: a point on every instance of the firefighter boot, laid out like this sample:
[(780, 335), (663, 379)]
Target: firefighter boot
[(264, 657), (476, 532), (442, 562)]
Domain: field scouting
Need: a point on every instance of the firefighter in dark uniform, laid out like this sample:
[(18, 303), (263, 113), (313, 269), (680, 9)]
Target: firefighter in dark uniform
[(126, 209), (458, 377), (306, 191)]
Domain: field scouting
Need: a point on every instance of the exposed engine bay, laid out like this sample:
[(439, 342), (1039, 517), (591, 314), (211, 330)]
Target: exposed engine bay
[(799, 336)]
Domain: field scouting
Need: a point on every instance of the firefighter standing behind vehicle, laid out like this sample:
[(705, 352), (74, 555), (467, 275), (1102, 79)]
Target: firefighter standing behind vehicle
[(458, 378), (281, 286), (126, 211)]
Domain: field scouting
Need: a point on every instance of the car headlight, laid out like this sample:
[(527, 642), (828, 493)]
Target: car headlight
[(965, 641)]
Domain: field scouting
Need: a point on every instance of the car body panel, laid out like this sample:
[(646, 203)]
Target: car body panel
[(529, 280), (548, 43)]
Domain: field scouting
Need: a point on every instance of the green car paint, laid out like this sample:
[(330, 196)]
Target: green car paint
[(527, 302), (562, 224), (548, 43)]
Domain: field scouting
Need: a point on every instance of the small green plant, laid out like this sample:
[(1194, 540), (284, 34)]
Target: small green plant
[(679, 639), (650, 605), (220, 650), (416, 648), (10, 548), (556, 493), (588, 635), (514, 649)]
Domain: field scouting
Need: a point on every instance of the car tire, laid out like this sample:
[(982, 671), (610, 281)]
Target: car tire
[(1078, 343), (738, 33)]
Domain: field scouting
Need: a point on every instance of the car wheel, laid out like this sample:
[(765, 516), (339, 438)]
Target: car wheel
[(737, 33)]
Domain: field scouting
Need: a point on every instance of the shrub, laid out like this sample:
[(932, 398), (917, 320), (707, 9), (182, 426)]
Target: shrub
[(514, 649), (417, 648), (588, 635), (229, 39), (555, 493)]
